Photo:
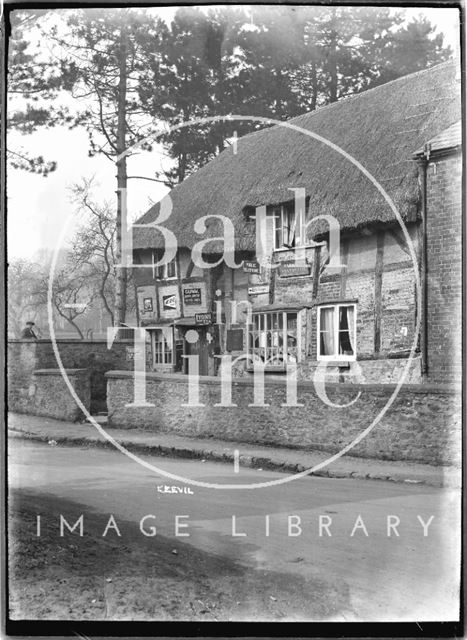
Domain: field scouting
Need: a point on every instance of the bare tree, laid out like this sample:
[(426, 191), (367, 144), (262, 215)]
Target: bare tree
[(23, 304), (94, 245), (70, 294)]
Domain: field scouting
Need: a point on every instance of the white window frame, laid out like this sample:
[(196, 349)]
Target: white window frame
[(274, 334), (336, 356)]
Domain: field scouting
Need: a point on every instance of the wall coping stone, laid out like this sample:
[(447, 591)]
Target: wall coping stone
[(54, 372), (67, 341), (343, 386)]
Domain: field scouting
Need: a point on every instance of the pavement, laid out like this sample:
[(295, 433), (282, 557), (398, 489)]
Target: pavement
[(287, 460)]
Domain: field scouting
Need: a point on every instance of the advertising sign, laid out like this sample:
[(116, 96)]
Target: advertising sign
[(192, 296), (169, 303), (203, 318)]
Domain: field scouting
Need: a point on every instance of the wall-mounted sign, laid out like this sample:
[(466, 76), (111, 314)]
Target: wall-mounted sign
[(203, 318), (192, 296), (147, 303), (169, 303), (234, 340), (288, 269), (251, 266), (258, 289)]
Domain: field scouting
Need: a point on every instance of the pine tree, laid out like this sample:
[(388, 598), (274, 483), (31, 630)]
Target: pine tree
[(102, 57)]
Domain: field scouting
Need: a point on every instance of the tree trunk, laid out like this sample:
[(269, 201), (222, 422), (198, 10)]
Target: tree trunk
[(314, 86), (333, 80), (121, 286)]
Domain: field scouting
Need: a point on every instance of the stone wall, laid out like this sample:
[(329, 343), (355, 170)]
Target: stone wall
[(423, 424), (48, 394), (26, 356), (444, 255)]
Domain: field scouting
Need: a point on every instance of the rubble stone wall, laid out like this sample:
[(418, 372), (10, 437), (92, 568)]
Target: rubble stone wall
[(423, 423), (49, 396), (27, 356)]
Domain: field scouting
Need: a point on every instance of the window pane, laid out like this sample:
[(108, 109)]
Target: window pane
[(291, 322), (327, 332), (289, 227), (171, 269), (277, 228), (346, 337)]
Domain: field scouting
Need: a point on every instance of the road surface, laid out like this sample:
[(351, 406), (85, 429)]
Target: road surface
[(268, 531)]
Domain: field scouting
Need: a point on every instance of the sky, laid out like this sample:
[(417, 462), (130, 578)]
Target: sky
[(39, 208)]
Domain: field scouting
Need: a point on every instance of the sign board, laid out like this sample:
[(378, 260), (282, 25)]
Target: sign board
[(203, 318), (251, 266), (147, 304), (192, 296), (169, 303), (289, 269), (234, 340), (258, 289)]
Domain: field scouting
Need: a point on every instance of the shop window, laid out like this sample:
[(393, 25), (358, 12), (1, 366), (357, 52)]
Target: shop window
[(337, 332), (273, 337), (162, 346)]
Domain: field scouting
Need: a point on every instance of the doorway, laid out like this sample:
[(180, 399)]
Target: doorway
[(197, 346)]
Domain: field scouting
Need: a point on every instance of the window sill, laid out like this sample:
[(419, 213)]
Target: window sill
[(337, 363), (271, 368)]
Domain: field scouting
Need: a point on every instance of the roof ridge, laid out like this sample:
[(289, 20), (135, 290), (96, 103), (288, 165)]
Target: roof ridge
[(347, 99), (354, 96)]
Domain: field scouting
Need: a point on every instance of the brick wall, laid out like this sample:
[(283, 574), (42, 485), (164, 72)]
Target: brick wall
[(25, 356), (422, 425), (444, 255)]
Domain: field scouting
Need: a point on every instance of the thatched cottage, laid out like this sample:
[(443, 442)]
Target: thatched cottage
[(283, 190)]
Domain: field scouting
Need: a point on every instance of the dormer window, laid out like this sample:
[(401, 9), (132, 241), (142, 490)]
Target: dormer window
[(166, 271), (284, 221)]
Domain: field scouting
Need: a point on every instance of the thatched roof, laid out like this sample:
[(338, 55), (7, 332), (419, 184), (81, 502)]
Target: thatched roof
[(380, 128)]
